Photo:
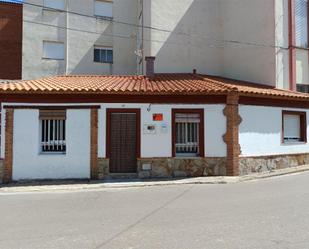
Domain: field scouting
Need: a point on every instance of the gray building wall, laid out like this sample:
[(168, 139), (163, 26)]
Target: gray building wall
[(79, 33), (239, 39)]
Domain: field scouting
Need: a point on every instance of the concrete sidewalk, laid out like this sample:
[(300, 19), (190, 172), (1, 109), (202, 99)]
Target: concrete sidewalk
[(67, 186)]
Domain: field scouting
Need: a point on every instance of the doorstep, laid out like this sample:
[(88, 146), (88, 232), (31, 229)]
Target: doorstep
[(80, 185), (116, 176)]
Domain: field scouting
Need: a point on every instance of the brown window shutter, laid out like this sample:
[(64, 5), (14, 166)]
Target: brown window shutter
[(53, 114)]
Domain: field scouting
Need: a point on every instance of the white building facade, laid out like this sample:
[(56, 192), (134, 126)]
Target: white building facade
[(165, 125)]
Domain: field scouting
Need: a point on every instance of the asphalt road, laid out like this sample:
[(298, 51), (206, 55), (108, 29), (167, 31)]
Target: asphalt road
[(271, 213)]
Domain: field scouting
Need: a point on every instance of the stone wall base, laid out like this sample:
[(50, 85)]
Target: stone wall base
[(103, 168), (251, 165), (197, 167), (172, 167)]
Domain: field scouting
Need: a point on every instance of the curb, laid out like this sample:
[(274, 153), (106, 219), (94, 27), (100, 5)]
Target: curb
[(275, 173), (101, 185)]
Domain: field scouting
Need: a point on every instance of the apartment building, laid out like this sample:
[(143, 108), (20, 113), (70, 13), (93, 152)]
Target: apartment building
[(78, 37), (263, 41)]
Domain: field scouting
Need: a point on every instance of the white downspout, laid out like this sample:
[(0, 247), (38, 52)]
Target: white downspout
[(67, 38)]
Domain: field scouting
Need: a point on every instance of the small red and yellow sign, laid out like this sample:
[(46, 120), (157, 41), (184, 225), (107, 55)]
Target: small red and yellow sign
[(157, 117)]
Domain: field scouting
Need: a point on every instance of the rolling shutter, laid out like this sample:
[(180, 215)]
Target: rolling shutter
[(292, 127)]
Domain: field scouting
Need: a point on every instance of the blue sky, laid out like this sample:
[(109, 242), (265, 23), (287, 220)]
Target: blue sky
[(12, 1)]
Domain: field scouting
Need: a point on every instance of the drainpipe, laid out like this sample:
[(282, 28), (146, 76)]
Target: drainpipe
[(67, 38), (142, 36)]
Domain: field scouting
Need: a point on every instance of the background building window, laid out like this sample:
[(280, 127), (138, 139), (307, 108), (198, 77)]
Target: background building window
[(302, 88), (294, 127), (103, 8), (301, 23), (53, 131), (188, 133), (103, 55), (54, 4), (53, 50)]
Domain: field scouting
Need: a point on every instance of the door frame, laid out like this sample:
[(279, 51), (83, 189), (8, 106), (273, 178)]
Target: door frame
[(136, 111)]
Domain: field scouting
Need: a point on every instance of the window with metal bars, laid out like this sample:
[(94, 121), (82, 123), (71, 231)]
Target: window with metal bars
[(187, 134), (53, 131)]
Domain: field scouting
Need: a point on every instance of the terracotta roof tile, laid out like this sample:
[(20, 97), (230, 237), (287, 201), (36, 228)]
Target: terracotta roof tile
[(160, 84)]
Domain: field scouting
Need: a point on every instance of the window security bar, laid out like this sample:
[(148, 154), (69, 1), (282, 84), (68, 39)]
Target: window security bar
[(53, 135), (187, 138)]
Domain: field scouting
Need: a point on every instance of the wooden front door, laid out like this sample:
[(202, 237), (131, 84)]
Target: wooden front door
[(123, 140)]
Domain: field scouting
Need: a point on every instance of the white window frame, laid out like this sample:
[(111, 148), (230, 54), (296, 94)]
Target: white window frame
[(60, 55), (106, 13), (103, 48)]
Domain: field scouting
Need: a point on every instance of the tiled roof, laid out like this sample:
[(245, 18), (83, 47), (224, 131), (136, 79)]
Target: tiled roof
[(160, 84), (249, 89)]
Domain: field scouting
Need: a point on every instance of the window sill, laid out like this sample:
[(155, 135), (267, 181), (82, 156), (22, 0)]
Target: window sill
[(52, 153), (301, 48), (53, 10), (294, 143), (188, 157), (45, 58), (105, 18), (108, 63)]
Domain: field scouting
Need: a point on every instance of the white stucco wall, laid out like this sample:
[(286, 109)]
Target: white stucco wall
[(259, 135), (29, 163), (160, 144), (261, 131)]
